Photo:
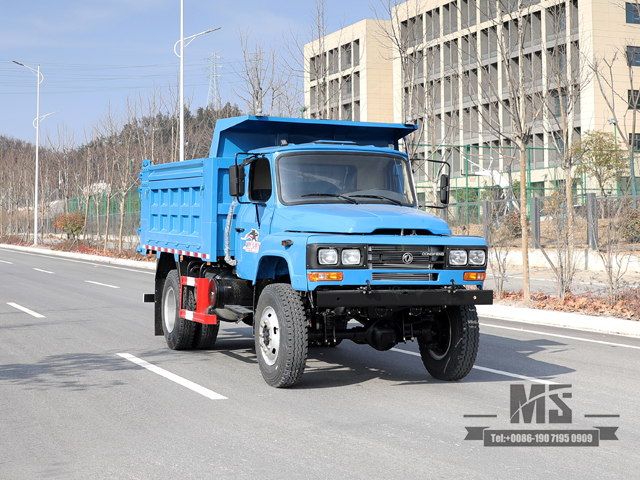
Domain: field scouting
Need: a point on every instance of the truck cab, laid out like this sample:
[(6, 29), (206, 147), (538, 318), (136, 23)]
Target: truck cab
[(310, 231)]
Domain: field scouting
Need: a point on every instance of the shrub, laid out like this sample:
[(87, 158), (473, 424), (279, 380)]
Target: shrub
[(511, 225), (70, 223), (630, 226)]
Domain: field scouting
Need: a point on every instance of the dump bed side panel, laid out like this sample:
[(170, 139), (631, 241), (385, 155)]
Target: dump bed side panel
[(178, 210)]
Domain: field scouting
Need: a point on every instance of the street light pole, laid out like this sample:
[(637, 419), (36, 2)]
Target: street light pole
[(40, 79), (181, 55), (182, 80)]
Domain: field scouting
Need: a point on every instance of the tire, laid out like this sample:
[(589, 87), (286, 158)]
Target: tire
[(178, 332), (281, 335), (451, 353), (205, 336)]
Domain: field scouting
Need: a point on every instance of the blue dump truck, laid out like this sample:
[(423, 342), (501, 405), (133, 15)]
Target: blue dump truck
[(310, 231)]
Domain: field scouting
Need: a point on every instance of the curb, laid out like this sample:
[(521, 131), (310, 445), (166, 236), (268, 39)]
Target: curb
[(552, 318), (83, 256)]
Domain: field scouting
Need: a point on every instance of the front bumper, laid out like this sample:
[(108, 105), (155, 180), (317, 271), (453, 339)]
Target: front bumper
[(401, 298)]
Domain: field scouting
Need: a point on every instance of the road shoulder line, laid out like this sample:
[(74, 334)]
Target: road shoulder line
[(83, 256), (576, 321)]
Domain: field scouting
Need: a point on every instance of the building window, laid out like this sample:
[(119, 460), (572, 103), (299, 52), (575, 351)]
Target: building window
[(636, 141), (333, 61), (633, 97), (346, 112), (356, 53), (537, 189), (633, 55), (624, 185), (633, 14), (346, 56)]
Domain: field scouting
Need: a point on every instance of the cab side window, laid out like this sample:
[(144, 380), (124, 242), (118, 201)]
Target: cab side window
[(260, 180)]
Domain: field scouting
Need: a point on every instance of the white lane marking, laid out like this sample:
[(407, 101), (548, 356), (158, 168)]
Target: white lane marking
[(562, 336), (43, 271), (515, 375), (491, 370), (25, 310), (173, 377), (4, 261), (101, 284)]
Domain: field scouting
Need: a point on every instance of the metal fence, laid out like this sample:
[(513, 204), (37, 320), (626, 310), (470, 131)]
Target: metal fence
[(97, 231), (596, 223)]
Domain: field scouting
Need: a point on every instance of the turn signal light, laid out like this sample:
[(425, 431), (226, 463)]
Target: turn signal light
[(474, 276), (325, 276)]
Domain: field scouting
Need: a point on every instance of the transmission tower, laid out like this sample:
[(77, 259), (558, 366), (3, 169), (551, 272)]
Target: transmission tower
[(213, 99)]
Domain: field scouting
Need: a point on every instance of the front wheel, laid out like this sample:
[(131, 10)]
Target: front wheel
[(280, 335), (452, 349)]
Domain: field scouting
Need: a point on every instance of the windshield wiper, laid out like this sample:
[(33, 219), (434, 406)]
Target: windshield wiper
[(395, 202), (342, 197)]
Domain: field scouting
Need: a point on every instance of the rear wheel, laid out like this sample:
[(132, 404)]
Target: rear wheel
[(205, 336), (280, 335), (178, 332), (452, 350)]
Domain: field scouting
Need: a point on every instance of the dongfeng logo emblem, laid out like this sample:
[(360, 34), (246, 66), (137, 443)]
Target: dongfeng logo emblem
[(407, 258)]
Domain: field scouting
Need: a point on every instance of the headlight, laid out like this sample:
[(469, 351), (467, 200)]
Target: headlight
[(351, 256), (328, 256), (457, 258), (477, 257)]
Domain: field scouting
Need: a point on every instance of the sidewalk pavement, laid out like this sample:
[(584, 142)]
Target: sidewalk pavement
[(503, 312), (586, 259)]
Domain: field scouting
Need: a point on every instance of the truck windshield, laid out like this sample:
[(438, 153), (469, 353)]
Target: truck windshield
[(344, 178)]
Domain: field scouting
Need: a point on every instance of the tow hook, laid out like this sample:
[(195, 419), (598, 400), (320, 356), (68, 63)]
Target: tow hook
[(366, 290)]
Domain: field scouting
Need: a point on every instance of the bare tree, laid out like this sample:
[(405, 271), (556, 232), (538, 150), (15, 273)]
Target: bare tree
[(414, 36), (565, 80), (258, 76)]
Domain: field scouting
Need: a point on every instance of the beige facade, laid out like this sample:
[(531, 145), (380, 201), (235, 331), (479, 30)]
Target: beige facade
[(348, 75), (461, 48), (457, 80)]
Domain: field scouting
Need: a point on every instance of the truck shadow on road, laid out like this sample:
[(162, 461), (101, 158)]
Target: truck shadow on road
[(351, 364), (73, 371)]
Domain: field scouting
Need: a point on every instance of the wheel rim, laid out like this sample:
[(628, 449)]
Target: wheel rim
[(169, 310), (269, 336), (442, 332)]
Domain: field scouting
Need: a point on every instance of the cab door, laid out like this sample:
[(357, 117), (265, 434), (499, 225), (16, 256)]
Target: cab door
[(253, 220)]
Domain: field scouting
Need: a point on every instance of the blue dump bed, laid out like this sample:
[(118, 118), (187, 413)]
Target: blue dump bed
[(184, 205)]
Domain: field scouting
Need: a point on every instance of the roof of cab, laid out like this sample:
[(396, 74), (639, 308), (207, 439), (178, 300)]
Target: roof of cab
[(243, 134)]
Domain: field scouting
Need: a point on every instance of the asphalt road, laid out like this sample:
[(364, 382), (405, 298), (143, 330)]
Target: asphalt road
[(76, 402)]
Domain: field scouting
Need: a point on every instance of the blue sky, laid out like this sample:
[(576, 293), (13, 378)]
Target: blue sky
[(97, 53)]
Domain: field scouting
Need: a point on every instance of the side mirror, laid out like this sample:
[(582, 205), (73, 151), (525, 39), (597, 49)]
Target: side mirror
[(444, 189), (236, 180)]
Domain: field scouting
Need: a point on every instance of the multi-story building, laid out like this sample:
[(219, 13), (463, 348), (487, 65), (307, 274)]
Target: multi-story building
[(478, 75), (348, 75)]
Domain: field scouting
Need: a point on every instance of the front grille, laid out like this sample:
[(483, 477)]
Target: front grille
[(403, 277), (423, 257)]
